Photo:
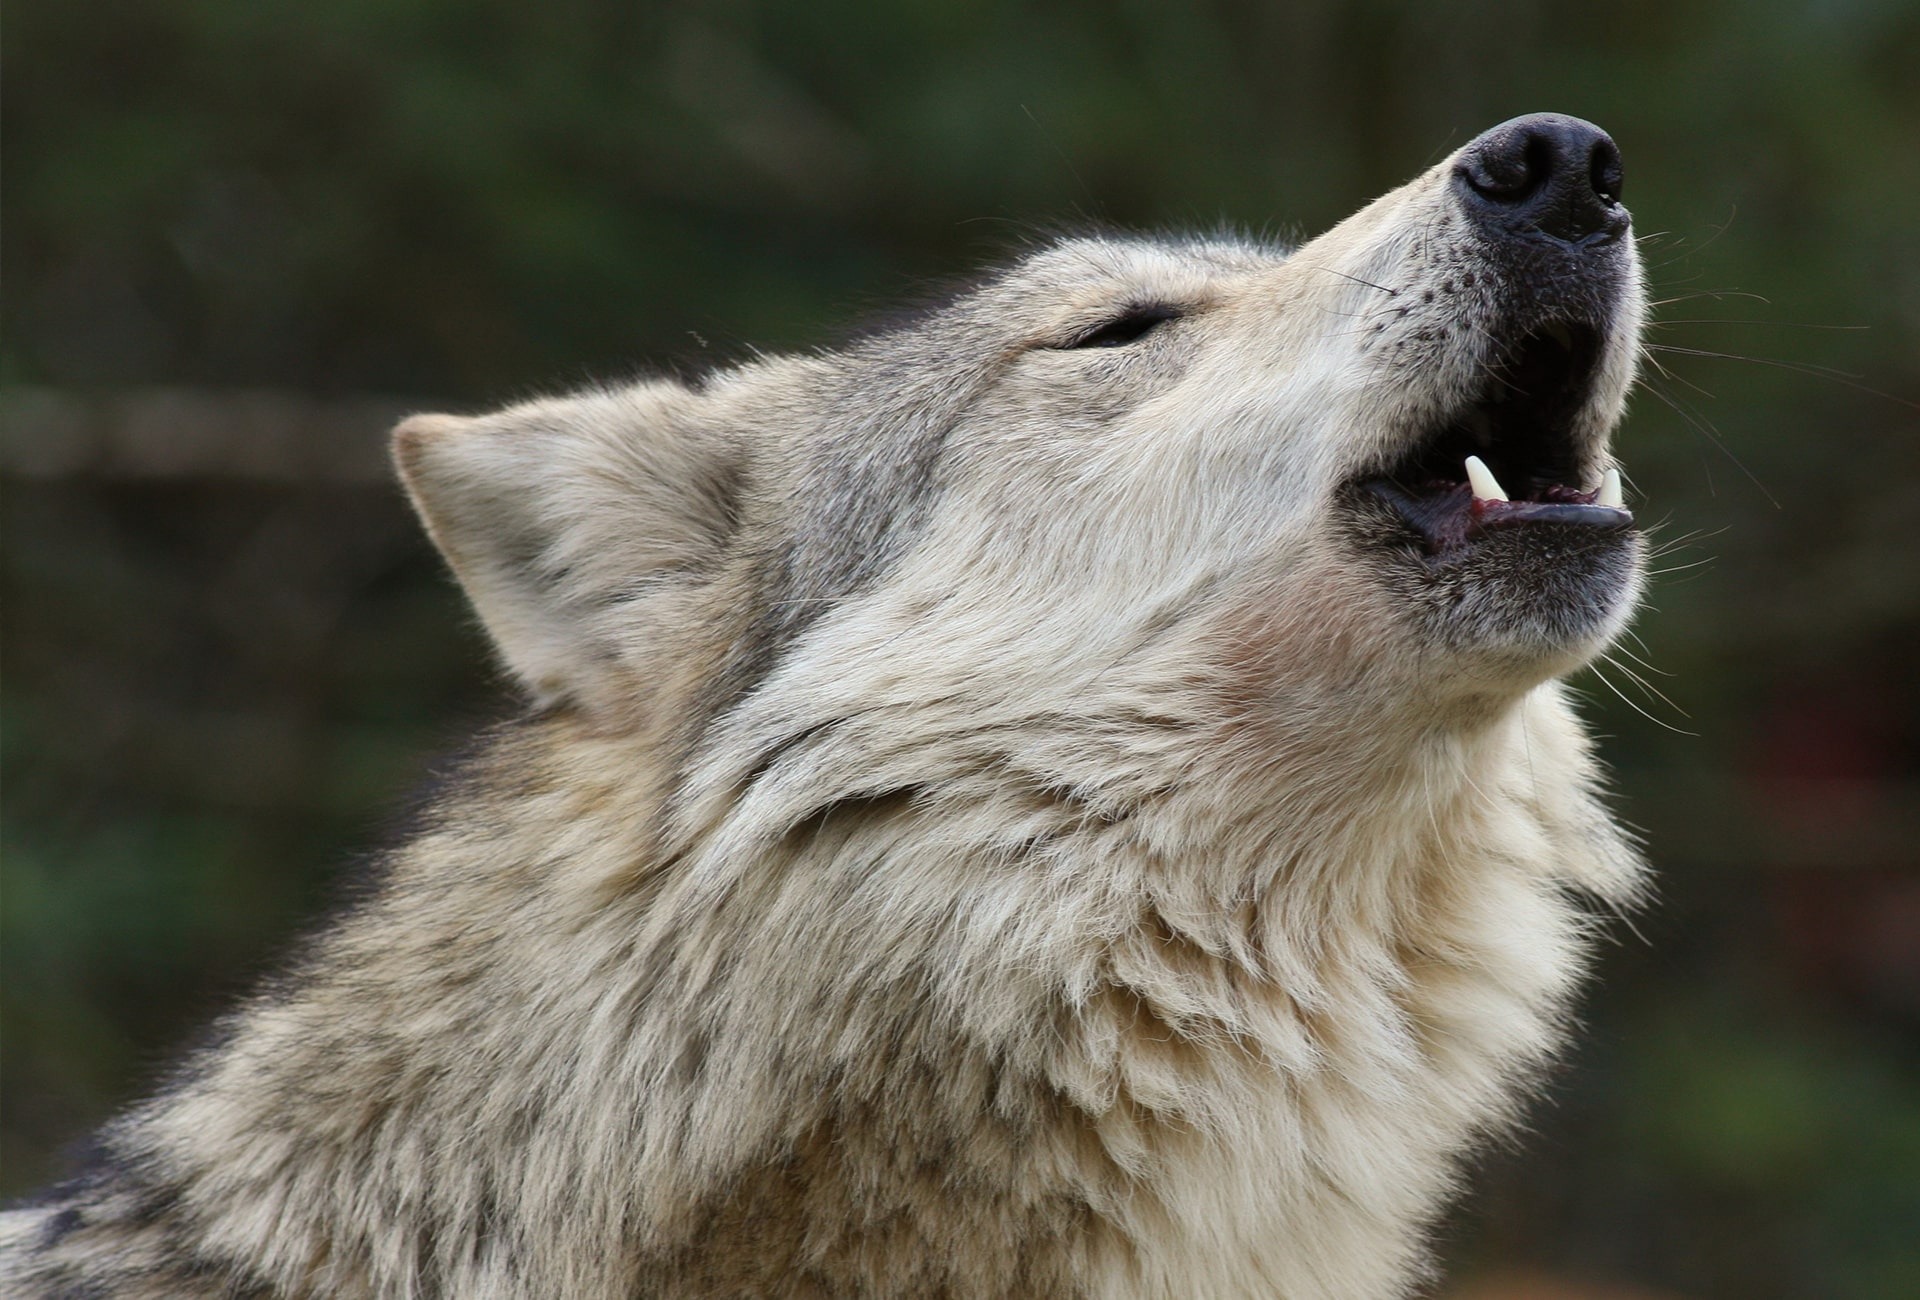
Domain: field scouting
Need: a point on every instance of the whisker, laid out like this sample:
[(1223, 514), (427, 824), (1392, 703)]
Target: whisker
[(1681, 250), (1622, 650), (1602, 679), (1803, 367), (1679, 568), (1674, 545), (1783, 324), (1637, 638), (1841, 377), (1705, 430), (1646, 685), (1665, 373), (1391, 293), (1715, 294), (1668, 545)]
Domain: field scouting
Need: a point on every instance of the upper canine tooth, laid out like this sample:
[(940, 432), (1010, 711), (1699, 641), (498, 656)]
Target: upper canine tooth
[(1609, 494), (1485, 486)]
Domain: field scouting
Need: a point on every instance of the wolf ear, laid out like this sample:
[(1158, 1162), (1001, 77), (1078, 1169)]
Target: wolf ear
[(560, 518)]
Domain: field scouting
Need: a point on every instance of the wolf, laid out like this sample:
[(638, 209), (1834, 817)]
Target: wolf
[(1067, 796)]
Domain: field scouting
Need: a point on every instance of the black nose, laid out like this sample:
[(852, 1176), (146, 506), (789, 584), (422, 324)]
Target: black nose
[(1544, 173)]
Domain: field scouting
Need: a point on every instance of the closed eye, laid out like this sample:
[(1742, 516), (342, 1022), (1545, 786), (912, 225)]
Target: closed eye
[(1130, 325)]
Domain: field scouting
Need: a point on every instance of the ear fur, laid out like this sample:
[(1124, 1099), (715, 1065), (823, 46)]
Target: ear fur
[(560, 517)]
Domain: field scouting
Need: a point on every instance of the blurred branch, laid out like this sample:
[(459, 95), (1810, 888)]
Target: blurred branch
[(178, 433)]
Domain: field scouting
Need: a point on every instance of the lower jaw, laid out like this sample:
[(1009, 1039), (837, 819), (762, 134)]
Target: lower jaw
[(1519, 604), (1505, 601), (1533, 603)]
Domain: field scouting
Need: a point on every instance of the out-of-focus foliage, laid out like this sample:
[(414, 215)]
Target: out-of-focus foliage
[(217, 686)]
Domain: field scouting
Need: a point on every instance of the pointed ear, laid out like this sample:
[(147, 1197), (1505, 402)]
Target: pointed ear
[(560, 518)]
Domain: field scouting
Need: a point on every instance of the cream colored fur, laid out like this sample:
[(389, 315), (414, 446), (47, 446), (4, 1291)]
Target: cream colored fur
[(1113, 894)]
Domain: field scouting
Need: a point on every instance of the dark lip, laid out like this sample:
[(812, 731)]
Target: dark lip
[(1448, 517)]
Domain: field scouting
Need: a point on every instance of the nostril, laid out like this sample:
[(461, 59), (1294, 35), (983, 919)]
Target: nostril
[(1604, 171), (1511, 173)]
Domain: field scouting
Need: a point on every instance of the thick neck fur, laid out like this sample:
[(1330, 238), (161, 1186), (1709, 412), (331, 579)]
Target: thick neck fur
[(1143, 1039)]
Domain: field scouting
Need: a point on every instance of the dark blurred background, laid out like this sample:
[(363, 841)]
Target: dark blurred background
[(240, 236)]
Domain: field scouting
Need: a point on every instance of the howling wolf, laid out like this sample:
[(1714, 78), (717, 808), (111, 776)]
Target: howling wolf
[(1067, 797)]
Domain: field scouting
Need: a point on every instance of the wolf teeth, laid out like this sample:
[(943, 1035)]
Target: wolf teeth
[(1485, 486)]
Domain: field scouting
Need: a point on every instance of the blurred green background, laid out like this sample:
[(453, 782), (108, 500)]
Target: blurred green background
[(241, 235)]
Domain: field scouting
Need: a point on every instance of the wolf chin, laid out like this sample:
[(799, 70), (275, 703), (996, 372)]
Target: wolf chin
[(1069, 796)]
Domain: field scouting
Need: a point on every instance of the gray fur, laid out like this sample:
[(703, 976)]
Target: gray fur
[(1002, 818)]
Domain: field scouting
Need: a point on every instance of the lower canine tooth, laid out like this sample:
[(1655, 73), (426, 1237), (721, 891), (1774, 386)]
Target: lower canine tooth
[(1609, 493), (1485, 486)]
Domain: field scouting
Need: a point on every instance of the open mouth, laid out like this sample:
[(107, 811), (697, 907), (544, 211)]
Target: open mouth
[(1510, 457)]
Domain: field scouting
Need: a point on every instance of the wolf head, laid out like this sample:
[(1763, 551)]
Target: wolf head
[(1062, 798), (1203, 479)]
